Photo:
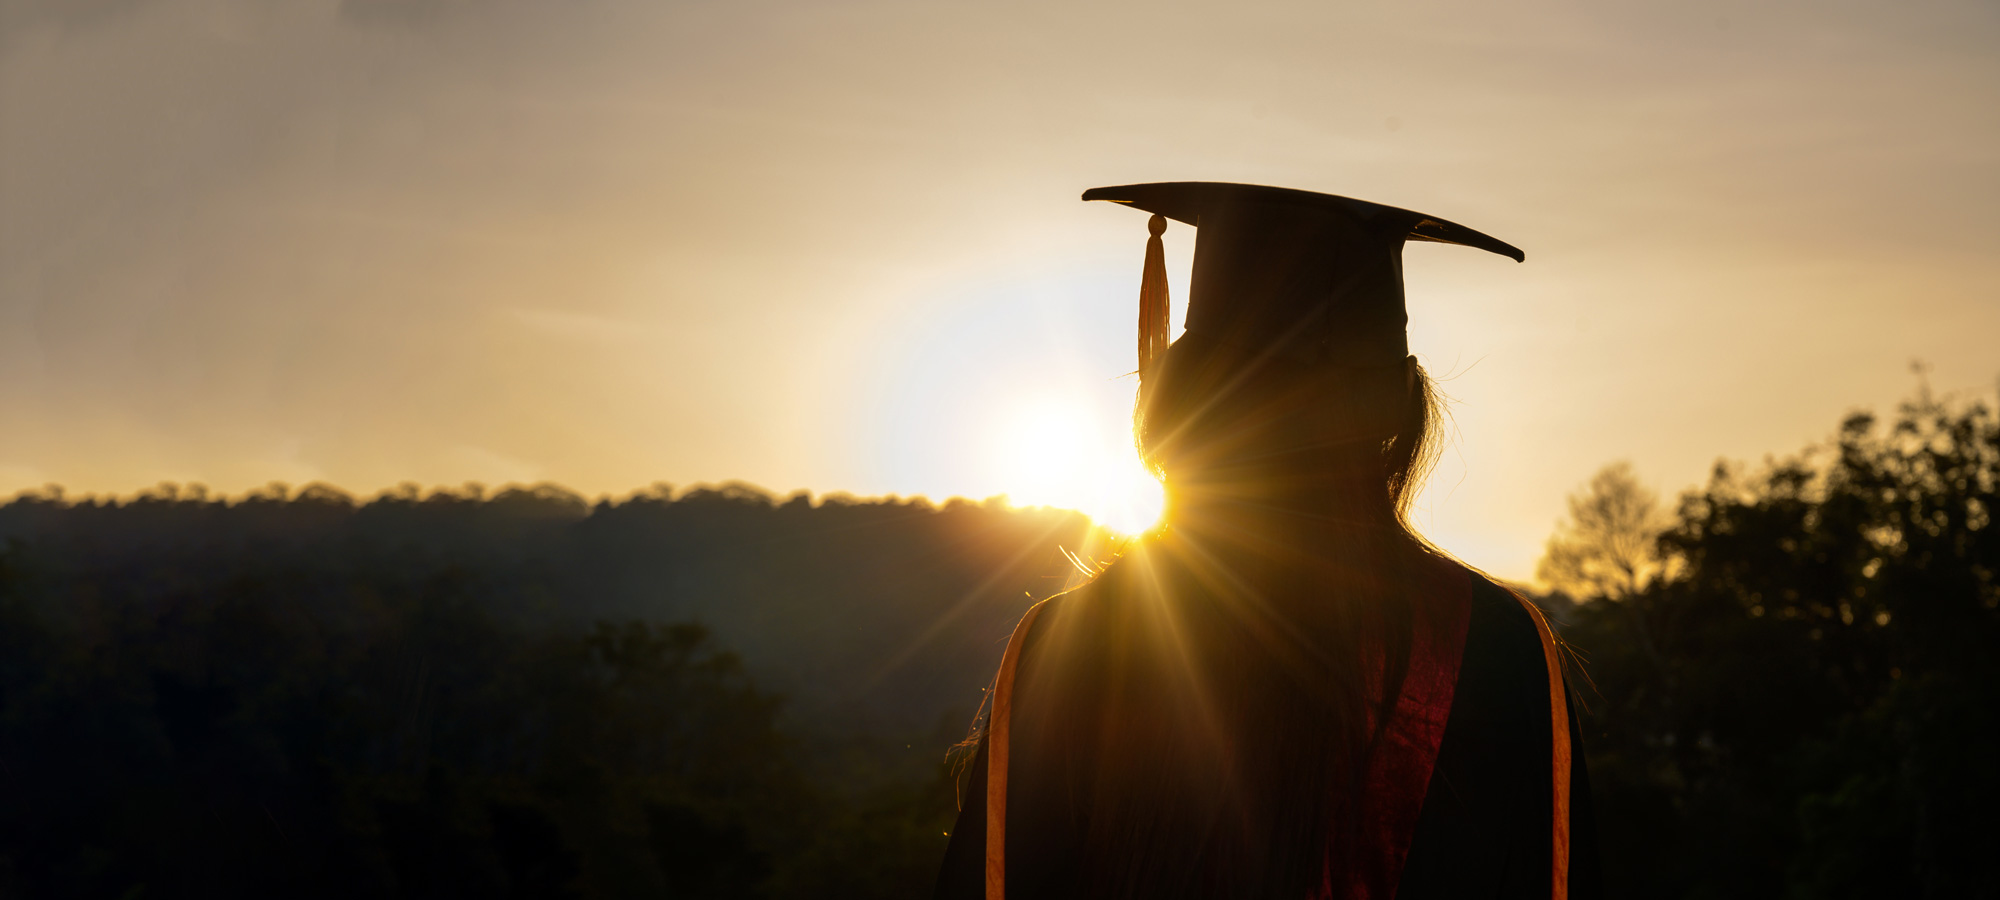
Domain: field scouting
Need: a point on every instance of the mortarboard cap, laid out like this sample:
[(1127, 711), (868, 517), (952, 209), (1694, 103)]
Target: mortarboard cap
[(1315, 276)]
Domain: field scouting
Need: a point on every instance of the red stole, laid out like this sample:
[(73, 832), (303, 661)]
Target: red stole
[(1406, 747)]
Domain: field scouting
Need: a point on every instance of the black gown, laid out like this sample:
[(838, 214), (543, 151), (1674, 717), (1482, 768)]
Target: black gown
[(1484, 829)]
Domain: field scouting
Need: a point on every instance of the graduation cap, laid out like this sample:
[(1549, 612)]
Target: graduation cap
[(1315, 277)]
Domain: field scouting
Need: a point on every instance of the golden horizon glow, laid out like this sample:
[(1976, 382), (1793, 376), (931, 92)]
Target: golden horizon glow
[(829, 246), (1052, 451)]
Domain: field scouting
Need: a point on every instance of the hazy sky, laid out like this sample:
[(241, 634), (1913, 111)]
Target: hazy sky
[(837, 245)]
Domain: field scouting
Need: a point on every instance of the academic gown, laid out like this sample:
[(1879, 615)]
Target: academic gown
[(1484, 825)]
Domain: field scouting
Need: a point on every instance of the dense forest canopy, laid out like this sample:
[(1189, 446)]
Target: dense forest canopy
[(1795, 681), (725, 694)]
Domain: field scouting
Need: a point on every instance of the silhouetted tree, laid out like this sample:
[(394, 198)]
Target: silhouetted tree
[(1817, 717), (1609, 545), (1609, 549)]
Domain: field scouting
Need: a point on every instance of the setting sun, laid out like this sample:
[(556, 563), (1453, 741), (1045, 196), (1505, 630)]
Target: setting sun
[(1055, 452)]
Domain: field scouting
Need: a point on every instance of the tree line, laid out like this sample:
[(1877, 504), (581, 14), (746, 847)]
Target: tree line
[(1795, 689)]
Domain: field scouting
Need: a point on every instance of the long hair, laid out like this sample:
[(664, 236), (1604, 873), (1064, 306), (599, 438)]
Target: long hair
[(1226, 678)]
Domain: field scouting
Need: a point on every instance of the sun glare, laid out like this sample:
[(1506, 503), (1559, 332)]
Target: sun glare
[(1057, 453)]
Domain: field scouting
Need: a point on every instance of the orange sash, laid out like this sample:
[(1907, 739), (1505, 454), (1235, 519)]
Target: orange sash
[(996, 758), (1559, 723)]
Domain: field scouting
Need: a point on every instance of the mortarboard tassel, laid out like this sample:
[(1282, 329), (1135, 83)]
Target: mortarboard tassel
[(1155, 320)]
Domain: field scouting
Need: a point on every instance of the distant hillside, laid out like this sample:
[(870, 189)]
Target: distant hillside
[(891, 610)]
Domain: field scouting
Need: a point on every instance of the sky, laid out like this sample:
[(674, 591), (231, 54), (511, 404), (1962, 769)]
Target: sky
[(837, 246)]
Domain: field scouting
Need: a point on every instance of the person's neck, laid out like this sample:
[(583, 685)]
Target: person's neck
[(1277, 507)]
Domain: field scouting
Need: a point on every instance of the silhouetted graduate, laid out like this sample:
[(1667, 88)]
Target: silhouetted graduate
[(1282, 692)]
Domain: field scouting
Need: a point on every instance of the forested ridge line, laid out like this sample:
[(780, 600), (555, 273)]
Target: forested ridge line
[(865, 607)]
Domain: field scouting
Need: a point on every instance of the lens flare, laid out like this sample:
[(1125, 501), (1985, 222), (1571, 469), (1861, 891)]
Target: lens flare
[(1056, 452)]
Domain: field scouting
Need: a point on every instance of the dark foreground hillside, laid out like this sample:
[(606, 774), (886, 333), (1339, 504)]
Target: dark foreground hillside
[(523, 695)]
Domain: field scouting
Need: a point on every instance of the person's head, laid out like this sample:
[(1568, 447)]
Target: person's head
[(1222, 421), (1293, 387)]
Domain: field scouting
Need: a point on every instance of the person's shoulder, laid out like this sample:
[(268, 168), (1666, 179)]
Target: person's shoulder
[(1492, 603), (1113, 589), (1500, 603), (1502, 630), (1093, 614)]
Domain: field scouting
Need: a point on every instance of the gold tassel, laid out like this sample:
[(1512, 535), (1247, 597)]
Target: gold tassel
[(1155, 319)]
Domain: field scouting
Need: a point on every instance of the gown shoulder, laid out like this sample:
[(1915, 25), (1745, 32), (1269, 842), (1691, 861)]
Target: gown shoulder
[(1486, 824)]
